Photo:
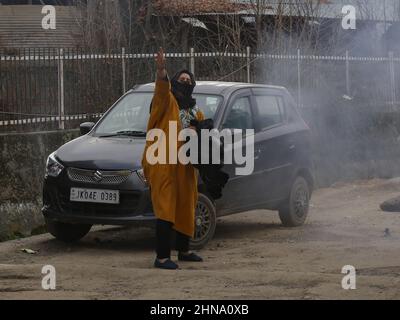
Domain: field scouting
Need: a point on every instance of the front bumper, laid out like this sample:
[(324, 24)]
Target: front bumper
[(135, 203), (53, 215)]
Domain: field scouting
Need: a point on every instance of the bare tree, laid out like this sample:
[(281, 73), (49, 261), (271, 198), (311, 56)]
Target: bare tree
[(101, 25)]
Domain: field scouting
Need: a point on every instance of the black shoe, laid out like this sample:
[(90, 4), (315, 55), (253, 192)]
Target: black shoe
[(167, 265), (191, 257)]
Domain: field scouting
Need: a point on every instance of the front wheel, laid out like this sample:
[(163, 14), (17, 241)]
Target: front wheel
[(205, 222), (294, 212), (67, 232)]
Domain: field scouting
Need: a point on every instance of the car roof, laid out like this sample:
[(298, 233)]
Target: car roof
[(214, 87)]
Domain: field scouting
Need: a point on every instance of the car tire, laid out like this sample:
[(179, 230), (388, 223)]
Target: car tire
[(294, 211), (205, 222), (67, 232)]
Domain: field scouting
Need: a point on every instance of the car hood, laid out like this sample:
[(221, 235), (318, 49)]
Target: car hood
[(117, 153)]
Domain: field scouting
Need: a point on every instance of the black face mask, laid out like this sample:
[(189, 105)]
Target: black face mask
[(184, 88), (183, 94)]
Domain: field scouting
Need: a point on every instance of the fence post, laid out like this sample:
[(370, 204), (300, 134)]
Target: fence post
[(298, 78), (123, 71), (248, 52), (192, 66), (392, 78), (347, 73), (61, 110)]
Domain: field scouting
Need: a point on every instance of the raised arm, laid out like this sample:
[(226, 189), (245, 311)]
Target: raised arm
[(162, 93), (161, 65)]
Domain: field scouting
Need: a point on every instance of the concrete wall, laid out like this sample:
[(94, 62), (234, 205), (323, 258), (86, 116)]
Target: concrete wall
[(22, 163)]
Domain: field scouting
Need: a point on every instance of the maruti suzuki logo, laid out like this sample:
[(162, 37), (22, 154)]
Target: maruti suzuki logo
[(98, 176)]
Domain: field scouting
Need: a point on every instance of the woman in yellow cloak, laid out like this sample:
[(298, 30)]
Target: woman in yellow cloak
[(173, 187)]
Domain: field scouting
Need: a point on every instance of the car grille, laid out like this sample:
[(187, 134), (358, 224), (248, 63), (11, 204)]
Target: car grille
[(98, 176)]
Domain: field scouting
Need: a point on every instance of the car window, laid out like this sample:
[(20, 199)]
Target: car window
[(208, 104), (131, 113), (240, 116), (270, 110)]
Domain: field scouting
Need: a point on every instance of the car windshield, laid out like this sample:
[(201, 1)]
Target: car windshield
[(131, 114)]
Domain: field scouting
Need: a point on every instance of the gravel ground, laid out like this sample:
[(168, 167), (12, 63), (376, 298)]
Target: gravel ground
[(251, 257)]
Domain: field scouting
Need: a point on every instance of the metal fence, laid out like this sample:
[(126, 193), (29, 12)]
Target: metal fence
[(46, 88)]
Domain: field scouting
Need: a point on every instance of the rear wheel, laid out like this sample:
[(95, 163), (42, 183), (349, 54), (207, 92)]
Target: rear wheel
[(294, 212), (205, 222), (67, 232)]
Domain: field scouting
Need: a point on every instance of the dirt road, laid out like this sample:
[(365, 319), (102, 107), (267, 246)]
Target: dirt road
[(251, 257)]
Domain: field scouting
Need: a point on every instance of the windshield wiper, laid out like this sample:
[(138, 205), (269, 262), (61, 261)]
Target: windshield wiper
[(128, 133)]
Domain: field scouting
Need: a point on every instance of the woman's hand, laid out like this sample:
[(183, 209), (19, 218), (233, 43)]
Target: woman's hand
[(161, 65)]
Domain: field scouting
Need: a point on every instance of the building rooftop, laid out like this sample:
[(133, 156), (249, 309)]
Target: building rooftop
[(21, 27), (375, 10)]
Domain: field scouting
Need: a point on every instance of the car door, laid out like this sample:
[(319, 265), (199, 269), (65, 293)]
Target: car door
[(274, 145), (238, 115)]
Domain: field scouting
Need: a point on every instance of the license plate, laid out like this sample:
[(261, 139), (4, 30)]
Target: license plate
[(94, 196)]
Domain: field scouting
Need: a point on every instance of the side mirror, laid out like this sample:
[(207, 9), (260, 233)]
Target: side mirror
[(86, 127)]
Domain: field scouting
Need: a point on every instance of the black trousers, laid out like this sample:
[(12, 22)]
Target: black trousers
[(164, 242)]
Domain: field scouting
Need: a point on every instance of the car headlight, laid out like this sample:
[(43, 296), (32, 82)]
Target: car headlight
[(140, 174), (53, 167)]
